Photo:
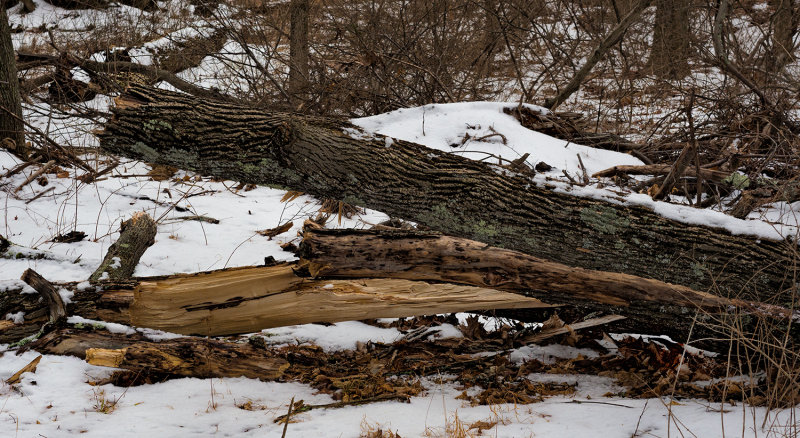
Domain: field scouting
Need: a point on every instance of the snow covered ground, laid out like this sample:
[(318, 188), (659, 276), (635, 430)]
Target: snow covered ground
[(58, 401)]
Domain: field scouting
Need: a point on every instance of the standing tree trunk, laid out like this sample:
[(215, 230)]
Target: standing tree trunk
[(491, 38), (12, 132), (298, 52), (669, 55), (783, 31)]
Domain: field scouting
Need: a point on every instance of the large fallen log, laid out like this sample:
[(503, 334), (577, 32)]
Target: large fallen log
[(651, 306), (458, 196), (245, 300)]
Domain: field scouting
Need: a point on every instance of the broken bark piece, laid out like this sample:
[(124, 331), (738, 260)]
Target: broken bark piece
[(137, 234), (272, 232), (56, 306), (189, 357), (29, 368)]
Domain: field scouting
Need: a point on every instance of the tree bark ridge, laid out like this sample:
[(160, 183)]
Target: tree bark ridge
[(460, 197)]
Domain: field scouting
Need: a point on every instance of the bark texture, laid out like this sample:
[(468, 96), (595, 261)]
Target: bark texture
[(458, 196), (784, 28), (649, 306), (138, 233), (11, 126), (189, 357), (298, 51), (669, 55)]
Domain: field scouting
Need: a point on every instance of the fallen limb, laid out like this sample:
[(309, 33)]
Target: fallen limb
[(650, 306), (571, 127), (246, 300), (136, 235), (190, 357), (416, 255), (460, 197), (659, 169)]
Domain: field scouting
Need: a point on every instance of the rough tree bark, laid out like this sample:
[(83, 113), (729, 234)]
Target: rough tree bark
[(137, 234), (784, 28), (669, 53), (649, 306), (298, 51), (190, 357), (11, 126), (458, 196)]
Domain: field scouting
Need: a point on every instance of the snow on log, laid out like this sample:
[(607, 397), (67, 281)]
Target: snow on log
[(329, 158)]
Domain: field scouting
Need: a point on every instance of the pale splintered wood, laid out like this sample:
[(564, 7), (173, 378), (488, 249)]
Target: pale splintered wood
[(105, 357), (252, 299)]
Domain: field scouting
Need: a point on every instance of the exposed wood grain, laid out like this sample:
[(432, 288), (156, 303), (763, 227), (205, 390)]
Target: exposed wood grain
[(252, 299), (458, 196)]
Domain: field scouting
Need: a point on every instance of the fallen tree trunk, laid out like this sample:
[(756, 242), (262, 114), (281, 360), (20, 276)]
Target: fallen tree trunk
[(246, 300), (458, 196), (650, 306)]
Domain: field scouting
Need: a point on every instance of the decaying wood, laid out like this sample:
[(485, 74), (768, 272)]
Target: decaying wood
[(252, 299), (430, 256), (29, 368), (551, 333), (246, 300), (445, 192), (195, 357), (57, 308), (137, 234), (650, 306), (419, 255)]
